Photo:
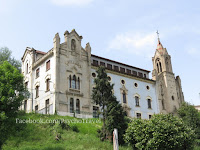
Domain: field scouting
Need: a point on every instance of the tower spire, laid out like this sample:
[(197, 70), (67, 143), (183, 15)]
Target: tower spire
[(159, 46)]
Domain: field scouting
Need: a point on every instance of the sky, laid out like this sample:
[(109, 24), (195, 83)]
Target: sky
[(121, 30)]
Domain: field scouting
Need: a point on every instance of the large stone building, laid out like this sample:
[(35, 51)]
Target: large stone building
[(62, 79)]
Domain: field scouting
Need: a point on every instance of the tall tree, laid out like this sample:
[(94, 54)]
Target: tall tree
[(102, 93), (12, 92), (6, 55), (190, 116), (113, 114)]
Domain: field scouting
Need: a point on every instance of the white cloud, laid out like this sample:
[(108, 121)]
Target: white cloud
[(71, 2), (135, 43)]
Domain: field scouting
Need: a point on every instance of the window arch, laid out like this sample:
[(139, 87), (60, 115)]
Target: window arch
[(73, 44)]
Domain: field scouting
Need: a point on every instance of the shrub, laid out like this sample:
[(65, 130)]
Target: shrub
[(162, 132)]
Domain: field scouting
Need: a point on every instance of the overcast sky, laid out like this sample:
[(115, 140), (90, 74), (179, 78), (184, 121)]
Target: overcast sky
[(121, 30)]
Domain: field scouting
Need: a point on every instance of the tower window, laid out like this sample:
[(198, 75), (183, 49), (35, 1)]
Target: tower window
[(95, 62), (160, 67), (172, 97), (122, 70), (134, 73), (93, 74), (147, 87), (137, 102), (27, 68), (123, 82), (135, 84), (128, 71), (140, 74)]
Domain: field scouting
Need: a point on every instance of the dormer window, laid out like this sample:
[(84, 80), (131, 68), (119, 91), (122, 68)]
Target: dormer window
[(73, 44)]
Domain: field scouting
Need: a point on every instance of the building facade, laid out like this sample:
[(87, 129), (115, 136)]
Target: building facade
[(61, 81)]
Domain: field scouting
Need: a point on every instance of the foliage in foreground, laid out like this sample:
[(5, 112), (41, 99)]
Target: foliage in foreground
[(41, 136), (162, 132), (190, 117), (12, 93)]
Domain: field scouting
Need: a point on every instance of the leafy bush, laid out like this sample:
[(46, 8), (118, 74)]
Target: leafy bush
[(162, 132), (74, 128), (190, 117)]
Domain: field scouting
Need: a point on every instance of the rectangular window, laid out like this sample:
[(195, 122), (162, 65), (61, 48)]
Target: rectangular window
[(95, 112), (71, 105), (138, 115), (25, 105), (109, 66), (47, 84), (47, 106), (124, 97), (37, 91), (36, 109), (134, 73), (116, 68), (137, 103), (122, 69), (48, 65), (37, 72), (102, 64), (95, 63), (140, 74), (128, 71), (149, 103), (150, 116), (145, 76), (78, 106)]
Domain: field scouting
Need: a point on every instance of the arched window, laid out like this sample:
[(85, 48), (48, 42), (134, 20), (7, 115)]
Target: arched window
[(73, 44), (71, 105), (137, 102), (78, 106), (70, 81), (74, 82), (78, 83), (160, 67), (149, 103), (157, 68), (124, 96)]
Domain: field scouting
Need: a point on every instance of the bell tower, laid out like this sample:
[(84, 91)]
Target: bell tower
[(169, 90)]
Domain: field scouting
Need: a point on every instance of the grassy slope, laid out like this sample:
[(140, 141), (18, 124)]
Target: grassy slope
[(42, 136)]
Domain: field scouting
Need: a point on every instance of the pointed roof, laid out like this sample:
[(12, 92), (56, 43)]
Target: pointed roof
[(159, 45)]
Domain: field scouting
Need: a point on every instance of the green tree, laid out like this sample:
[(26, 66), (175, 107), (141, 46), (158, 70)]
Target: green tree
[(161, 132), (116, 118), (12, 92), (6, 55), (102, 93), (190, 116)]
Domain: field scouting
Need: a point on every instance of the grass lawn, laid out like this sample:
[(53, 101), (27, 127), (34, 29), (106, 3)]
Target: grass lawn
[(42, 136)]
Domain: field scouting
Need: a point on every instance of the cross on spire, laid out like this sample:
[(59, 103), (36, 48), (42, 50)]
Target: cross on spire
[(157, 34)]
